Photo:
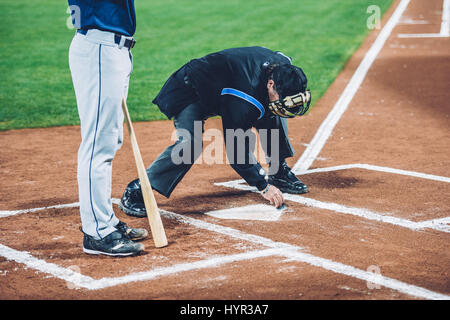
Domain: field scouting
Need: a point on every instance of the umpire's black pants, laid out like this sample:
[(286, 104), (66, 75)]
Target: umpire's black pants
[(165, 174)]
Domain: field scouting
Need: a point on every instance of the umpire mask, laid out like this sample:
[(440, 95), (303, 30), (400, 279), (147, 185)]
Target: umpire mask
[(290, 84)]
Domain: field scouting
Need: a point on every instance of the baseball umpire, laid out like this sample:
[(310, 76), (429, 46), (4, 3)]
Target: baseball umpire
[(247, 87), (100, 62)]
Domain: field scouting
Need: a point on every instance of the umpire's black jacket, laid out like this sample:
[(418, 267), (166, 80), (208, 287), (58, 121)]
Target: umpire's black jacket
[(232, 84)]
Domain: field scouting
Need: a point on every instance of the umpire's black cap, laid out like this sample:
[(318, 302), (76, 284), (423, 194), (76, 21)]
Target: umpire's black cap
[(290, 84), (289, 80)]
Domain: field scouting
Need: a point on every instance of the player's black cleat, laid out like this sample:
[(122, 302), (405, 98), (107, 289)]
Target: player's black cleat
[(132, 202), (114, 244), (134, 234), (286, 181)]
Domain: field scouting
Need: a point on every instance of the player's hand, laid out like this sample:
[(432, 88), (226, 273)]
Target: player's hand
[(274, 195)]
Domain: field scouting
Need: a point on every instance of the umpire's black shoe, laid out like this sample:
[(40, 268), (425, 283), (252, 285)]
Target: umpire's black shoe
[(134, 234), (132, 202), (114, 244), (286, 181)]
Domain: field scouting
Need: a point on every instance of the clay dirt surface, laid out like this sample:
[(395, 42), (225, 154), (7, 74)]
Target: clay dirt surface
[(399, 118)]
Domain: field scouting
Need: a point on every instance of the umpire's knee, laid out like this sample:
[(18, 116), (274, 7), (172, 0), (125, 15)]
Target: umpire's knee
[(187, 148)]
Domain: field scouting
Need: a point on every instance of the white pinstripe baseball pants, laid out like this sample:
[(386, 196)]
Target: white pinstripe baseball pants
[(100, 74)]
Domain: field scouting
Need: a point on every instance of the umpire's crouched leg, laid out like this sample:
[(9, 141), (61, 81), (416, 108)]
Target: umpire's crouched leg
[(172, 164)]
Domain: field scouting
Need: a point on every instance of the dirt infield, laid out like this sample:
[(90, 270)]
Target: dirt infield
[(375, 224)]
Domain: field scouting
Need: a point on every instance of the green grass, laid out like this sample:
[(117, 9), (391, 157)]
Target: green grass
[(35, 84)]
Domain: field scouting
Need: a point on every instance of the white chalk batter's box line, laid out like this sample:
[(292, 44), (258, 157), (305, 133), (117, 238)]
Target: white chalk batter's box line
[(278, 249), (445, 26), (441, 224)]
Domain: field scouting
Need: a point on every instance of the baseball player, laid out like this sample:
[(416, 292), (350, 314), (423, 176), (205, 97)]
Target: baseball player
[(100, 62), (247, 87)]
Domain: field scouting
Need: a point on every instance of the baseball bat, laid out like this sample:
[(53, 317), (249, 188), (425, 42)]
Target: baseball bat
[(154, 219)]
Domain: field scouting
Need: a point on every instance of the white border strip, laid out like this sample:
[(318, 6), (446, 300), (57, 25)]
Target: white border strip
[(327, 126), (445, 25)]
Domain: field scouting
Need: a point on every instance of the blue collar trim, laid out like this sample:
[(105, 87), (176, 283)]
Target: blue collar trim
[(246, 97)]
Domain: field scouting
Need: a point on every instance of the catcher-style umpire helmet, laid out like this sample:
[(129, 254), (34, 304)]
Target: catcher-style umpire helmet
[(290, 84)]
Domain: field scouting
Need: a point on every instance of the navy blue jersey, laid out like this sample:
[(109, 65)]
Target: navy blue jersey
[(231, 78), (235, 70), (116, 16)]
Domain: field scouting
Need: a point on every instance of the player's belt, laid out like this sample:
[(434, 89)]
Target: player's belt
[(127, 43), (82, 31)]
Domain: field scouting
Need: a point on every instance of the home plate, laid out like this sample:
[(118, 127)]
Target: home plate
[(262, 212)]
